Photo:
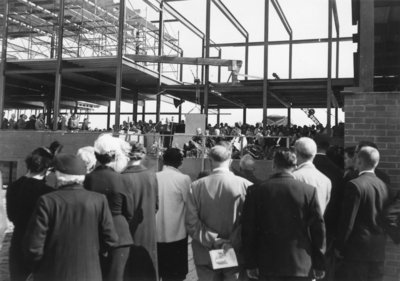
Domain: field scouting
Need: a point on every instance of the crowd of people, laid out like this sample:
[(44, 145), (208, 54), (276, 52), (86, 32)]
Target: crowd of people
[(64, 122), (103, 215)]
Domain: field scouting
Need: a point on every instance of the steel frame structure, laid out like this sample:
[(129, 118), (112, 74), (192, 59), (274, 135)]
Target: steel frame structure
[(73, 30)]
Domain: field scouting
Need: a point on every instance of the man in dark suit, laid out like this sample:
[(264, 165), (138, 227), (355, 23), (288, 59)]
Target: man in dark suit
[(335, 174), (361, 240), (69, 228), (283, 231)]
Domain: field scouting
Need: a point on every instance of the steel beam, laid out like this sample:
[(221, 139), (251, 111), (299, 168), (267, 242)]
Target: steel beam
[(207, 55), (58, 83), (144, 110), (160, 53), (185, 60), (3, 61), (108, 114), (225, 11), (265, 80), (329, 84), (135, 106), (118, 83), (282, 42)]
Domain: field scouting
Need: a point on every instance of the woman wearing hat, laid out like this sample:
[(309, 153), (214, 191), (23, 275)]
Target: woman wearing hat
[(21, 199), (104, 179), (142, 184), (69, 227)]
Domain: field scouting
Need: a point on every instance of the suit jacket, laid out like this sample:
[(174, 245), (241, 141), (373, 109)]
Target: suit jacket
[(360, 236), (143, 191), (214, 211), (106, 181), (307, 173), (283, 228), (67, 231), (335, 174)]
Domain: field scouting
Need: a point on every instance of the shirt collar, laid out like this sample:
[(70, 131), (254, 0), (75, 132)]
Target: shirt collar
[(166, 167), (366, 171), (307, 163), (221, 169)]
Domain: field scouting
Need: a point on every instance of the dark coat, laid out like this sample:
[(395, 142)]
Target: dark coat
[(106, 181), (283, 231), (360, 236), (335, 174), (68, 230), (21, 197), (143, 189)]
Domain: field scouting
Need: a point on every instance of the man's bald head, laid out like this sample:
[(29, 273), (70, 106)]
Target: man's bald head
[(368, 158), (247, 163), (306, 149)]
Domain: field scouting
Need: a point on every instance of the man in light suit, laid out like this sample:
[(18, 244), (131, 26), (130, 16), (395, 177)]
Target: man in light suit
[(306, 149), (361, 239), (214, 213)]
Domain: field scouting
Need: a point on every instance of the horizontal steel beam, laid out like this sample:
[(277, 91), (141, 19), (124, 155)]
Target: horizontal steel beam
[(283, 42), (185, 60)]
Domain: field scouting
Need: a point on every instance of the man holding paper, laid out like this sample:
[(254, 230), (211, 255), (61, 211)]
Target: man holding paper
[(213, 218), (283, 231)]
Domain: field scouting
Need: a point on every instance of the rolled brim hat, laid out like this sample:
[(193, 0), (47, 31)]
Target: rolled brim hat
[(69, 164)]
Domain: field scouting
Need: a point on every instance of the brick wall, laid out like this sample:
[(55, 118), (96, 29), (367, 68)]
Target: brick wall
[(376, 117)]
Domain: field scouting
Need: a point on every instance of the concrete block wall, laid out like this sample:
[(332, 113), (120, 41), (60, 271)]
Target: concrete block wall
[(375, 116)]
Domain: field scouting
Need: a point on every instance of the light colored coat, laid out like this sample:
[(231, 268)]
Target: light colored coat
[(306, 172), (214, 211)]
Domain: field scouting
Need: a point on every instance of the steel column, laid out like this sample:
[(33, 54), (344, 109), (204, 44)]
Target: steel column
[(181, 69), (118, 83), (160, 53), (265, 82), (135, 106), (219, 67), (246, 58), (3, 62), (290, 56), (58, 84), (218, 116), (336, 116), (207, 55), (329, 82), (108, 115), (289, 116), (144, 110), (244, 115), (180, 112)]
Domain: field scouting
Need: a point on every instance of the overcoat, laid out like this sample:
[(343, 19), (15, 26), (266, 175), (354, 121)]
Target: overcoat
[(143, 189), (361, 237), (283, 230), (67, 231), (21, 197), (106, 181)]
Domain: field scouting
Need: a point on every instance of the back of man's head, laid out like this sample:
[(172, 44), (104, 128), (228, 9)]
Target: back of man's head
[(285, 159), (173, 157), (220, 153), (368, 158), (365, 143), (322, 141), (306, 148), (247, 163)]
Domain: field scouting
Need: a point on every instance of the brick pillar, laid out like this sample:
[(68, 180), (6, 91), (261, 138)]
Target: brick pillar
[(375, 116)]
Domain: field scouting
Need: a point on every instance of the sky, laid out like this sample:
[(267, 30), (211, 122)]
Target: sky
[(308, 19)]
